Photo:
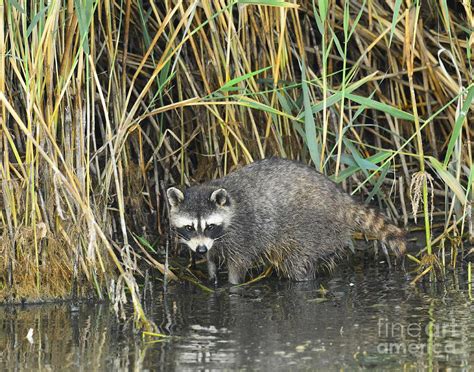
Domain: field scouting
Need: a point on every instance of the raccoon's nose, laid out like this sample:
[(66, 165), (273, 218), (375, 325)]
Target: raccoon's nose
[(201, 249)]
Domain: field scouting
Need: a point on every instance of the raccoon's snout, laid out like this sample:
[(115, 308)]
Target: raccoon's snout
[(201, 249)]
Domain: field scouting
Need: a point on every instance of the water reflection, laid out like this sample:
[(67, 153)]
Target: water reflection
[(367, 318), (61, 337)]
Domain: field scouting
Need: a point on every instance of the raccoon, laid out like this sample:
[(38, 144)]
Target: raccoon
[(278, 211)]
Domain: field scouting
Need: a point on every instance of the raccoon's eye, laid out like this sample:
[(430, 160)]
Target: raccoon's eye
[(189, 227), (210, 227)]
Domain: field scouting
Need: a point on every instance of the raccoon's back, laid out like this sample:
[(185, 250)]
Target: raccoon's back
[(284, 187)]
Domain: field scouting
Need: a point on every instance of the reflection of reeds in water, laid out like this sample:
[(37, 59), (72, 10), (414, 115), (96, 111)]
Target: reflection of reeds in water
[(87, 339), (103, 106)]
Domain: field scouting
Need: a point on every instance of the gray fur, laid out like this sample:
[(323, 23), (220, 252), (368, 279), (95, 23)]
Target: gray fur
[(279, 211)]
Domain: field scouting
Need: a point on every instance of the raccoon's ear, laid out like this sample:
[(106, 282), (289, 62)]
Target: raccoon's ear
[(220, 197), (175, 196)]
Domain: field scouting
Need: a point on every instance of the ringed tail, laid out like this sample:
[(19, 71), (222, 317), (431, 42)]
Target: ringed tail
[(373, 223)]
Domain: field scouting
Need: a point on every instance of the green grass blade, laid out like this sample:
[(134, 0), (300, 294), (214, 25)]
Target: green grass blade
[(231, 84), (309, 125), (374, 159), (277, 3), (38, 17), (393, 111), (84, 12), (458, 124), (449, 179), (378, 184), (357, 19), (17, 6), (396, 11), (247, 102), (145, 243), (362, 163), (337, 95)]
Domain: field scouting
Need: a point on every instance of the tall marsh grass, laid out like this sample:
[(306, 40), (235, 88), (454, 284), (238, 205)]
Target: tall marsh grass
[(105, 103)]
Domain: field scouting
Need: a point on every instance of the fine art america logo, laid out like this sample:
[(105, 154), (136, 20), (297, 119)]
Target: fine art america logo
[(415, 338)]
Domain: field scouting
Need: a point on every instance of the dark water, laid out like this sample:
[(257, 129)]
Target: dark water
[(369, 318)]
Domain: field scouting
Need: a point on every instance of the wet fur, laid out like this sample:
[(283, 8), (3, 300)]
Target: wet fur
[(285, 213)]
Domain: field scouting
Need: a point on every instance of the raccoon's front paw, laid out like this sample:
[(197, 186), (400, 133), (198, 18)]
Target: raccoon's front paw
[(213, 281), (236, 275), (212, 271)]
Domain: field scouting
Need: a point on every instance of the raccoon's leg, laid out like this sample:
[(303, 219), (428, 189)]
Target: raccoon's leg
[(299, 268), (212, 270), (236, 273), (300, 274)]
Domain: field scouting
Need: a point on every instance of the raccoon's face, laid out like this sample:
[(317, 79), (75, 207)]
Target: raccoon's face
[(200, 215)]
